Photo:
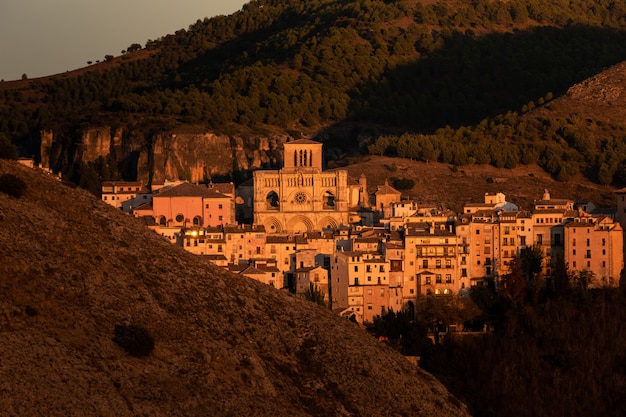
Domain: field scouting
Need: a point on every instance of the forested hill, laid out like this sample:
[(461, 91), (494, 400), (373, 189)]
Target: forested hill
[(386, 67)]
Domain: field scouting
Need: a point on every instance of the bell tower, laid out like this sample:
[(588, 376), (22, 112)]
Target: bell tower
[(303, 154)]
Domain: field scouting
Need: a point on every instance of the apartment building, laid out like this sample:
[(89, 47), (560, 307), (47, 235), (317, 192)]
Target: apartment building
[(363, 271), (115, 193), (594, 244)]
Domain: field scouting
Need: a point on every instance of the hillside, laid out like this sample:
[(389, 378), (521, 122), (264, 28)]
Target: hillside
[(452, 187), (287, 68), (72, 268)]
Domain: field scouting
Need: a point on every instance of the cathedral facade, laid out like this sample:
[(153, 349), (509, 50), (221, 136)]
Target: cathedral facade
[(301, 196)]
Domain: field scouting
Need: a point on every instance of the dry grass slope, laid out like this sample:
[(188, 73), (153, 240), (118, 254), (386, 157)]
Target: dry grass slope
[(71, 268)]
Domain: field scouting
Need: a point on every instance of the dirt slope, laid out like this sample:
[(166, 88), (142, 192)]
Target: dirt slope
[(453, 187), (71, 268)]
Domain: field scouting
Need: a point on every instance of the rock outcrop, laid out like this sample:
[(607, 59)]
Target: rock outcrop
[(172, 155)]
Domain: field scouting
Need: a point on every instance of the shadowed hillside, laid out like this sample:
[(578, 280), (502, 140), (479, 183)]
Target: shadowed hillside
[(73, 268)]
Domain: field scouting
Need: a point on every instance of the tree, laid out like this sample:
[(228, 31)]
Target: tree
[(315, 295), (445, 310), (404, 334), (514, 283), (560, 278), (532, 264), (7, 149)]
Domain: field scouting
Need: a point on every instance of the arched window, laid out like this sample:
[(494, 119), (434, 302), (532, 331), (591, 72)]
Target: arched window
[(197, 221), (305, 159), (295, 158), (162, 221), (329, 199), (272, 200)]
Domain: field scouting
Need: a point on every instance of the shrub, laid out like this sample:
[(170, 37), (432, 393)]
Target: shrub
[(403, 184), (12, 185), (135, 339), (7, 149)]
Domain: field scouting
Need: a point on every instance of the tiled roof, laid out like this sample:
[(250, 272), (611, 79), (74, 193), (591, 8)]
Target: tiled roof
[(303, 142), (190, 190)]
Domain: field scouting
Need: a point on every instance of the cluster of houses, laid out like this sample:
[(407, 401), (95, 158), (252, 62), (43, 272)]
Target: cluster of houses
[(367, 254)]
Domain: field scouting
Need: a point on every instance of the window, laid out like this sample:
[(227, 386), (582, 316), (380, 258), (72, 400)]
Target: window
[(448, 278), (425, 263), (438, 263), (219, 206), (356, 268), (427, 280), (588, 254), (438, 278), (588, 242), (603, 242)]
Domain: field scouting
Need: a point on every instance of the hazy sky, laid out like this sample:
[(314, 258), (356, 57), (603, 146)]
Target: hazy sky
[(46, 37)]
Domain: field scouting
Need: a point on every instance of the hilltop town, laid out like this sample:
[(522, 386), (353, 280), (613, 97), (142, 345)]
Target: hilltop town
[(302, 228)]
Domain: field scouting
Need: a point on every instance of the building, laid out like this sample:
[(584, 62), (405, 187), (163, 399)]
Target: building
[(189, 205), (115, 193), (301, 197), (594, 244)]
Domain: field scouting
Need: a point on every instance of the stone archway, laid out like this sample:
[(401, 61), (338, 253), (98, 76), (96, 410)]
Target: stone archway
[(273, 225), (327, 223), (300, 224)]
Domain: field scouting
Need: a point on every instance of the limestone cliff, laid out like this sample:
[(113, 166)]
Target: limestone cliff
[(160, 156)]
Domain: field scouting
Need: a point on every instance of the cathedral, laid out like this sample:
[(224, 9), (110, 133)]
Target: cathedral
[(301, 197)]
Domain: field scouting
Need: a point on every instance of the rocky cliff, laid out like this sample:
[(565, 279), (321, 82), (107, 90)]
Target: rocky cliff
[(73, 268), (160, 156)]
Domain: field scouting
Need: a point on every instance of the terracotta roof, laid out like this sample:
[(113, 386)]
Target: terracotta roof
[(303, 142), (144, 206), (227, 188), (252, 271), (386, 189), (190, 190)]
